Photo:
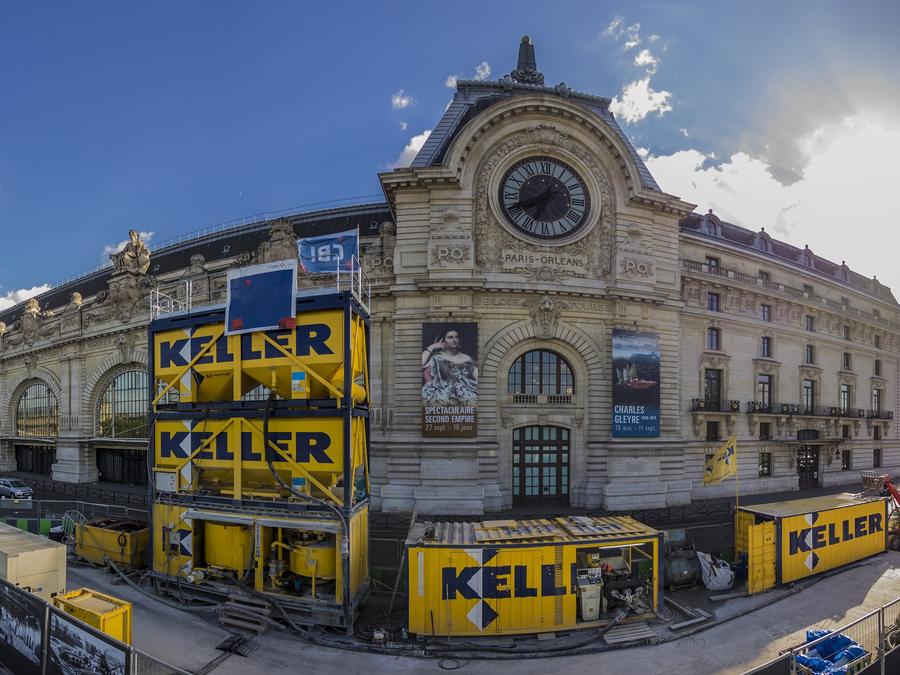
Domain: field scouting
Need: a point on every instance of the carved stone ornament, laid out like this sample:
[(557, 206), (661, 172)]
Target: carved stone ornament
[(124, 346), (450, 246), (135, 257), (198, 263), (636, 268), (592, 253), (764, 367), (808, 372), (545, 314), (281, 243), (30, 363), (378, 256), (126, 297), (70, 319)]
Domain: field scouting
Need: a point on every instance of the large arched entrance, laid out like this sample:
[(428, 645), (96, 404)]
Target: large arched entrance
[(540, 465), (807, 459)]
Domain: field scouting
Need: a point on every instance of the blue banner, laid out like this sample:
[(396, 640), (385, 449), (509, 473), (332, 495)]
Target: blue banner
[(635, 395), (328, 252)]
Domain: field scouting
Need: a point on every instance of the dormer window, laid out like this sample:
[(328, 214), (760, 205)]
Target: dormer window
[(762, 241)]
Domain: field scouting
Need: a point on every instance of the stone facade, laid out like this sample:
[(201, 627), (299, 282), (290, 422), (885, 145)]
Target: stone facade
[(441, 250)]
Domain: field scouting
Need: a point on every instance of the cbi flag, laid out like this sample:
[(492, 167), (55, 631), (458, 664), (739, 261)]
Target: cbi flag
[(722, 464), (328, 252)]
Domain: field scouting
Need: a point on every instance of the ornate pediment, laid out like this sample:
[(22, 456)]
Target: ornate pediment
[(809, 372), (766, 366)]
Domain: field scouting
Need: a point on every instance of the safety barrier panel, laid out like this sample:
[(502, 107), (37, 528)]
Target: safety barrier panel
[(37, 638), (878, 632)]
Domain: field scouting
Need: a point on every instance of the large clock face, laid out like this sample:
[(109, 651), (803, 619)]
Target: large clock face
[(544, 198)]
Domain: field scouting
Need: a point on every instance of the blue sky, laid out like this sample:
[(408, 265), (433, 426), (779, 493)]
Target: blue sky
[(170, 117)]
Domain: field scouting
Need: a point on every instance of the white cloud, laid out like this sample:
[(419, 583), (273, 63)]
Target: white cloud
[(401, 100), (652, 38), (482, 71), (633, 35), (638, 100), (684, 132), (645, 58), (109, 249), (411, 150), (403, 126), (615, 28), (15, 297), (823, 207)]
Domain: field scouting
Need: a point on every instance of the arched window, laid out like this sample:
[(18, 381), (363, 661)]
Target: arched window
[(122, 412), (541, 372), (37, 412)]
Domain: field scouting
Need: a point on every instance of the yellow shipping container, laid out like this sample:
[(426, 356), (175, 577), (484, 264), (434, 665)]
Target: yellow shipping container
[(194, 359), (788, 541), (122, 540), (104, 612), (529, 576)]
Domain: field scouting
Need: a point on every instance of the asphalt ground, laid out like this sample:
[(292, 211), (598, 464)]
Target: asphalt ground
[(745, 633)]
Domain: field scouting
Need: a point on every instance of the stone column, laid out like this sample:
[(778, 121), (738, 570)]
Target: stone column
[(76, 461), (7, 456)]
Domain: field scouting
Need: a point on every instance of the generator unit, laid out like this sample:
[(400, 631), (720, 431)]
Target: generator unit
[(260, 457)]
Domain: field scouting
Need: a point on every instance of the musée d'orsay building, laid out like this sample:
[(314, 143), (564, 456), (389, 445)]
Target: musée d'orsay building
[(548, 327)]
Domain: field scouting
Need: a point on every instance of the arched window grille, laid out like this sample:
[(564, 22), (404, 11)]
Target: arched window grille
[(541, 372), (37, 412), (122, 412)]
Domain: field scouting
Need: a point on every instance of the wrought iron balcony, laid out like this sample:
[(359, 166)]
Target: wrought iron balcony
[(703, 405), (759, 407), (880, 414)]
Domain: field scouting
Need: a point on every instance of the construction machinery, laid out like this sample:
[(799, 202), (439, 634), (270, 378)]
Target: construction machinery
[(260, 456), (881, 484)]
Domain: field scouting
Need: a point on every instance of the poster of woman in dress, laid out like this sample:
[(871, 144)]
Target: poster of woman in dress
[(449, 379)]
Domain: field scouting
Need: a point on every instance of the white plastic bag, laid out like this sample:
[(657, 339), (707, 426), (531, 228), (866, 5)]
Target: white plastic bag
[(717, 575)]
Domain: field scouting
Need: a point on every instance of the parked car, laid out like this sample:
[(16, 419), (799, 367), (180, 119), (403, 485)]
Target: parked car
[(14, 488)]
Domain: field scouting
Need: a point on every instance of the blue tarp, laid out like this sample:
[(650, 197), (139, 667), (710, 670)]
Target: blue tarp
[(830, 656)]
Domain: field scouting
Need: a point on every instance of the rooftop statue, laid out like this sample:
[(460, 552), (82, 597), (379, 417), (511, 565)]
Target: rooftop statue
[(135, 257)]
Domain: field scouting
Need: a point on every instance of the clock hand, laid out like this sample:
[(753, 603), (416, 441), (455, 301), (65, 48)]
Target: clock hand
[(526, 203)]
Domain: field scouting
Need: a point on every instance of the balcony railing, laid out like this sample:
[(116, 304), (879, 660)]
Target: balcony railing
[(759, 407), (880, 414), (703, 405), (542, 398)]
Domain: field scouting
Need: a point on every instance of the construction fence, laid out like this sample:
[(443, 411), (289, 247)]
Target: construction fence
[(878, 633), (39, 639)]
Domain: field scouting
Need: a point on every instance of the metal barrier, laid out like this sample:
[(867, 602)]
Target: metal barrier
[(384, 559), (144, 664), (85, 491), (877, 632)]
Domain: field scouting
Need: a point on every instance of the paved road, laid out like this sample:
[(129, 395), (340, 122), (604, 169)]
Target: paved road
[(728, 648)]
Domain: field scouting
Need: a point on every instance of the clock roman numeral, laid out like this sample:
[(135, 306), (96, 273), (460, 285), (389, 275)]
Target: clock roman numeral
[(545, 228), (528, 223), (546, 168), (573, 217), (515, 211), (510, 195), (577, 202)]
